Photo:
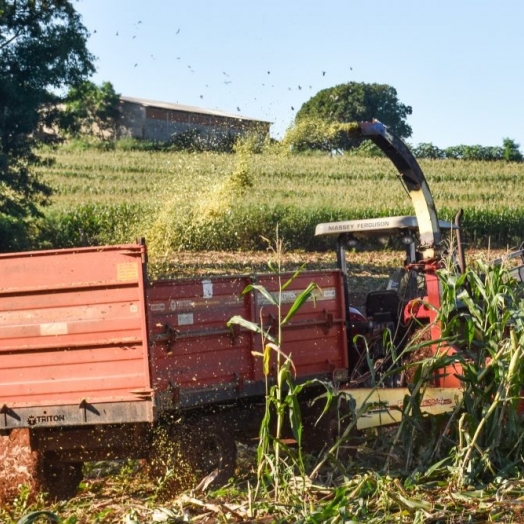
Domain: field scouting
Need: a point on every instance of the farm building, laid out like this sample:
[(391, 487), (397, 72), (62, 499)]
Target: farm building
[(162, 121)]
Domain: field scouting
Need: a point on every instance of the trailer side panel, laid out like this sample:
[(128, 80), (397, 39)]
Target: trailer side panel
[(73, 337), (196, 359)]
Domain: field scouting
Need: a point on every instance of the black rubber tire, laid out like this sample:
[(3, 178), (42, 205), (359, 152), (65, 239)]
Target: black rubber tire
[(213, 452), (183, 454), (322, 430), (60, 480)]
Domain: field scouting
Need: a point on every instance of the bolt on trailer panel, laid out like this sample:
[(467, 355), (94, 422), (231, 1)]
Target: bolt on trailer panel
[(73, 338)]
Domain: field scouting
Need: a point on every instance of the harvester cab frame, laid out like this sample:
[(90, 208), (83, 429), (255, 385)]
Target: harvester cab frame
[(425, 251), (385, 309), (351, 233)]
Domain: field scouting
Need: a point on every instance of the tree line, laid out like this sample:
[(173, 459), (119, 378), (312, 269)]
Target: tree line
[(509, 151)]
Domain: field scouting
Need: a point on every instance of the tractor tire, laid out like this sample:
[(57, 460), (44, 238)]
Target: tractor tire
[(194, 453), (321, 431)]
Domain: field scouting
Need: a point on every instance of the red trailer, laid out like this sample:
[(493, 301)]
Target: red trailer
[(93, 356), (73, 338)]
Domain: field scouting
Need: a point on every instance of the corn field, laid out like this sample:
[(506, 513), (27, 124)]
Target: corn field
[(206, 201)]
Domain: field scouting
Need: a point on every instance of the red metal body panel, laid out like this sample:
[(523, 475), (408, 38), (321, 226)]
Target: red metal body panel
[(425, 310), (72, 331), (191, 344), (195, 358)]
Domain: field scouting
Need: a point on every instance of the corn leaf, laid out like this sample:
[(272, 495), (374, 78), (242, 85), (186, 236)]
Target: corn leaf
[(262, 290), (300, 301), (255, 328), (295, 275)]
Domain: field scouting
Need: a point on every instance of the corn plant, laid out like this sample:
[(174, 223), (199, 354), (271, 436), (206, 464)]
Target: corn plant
[(487, 325), (282, 395), (482, 318)]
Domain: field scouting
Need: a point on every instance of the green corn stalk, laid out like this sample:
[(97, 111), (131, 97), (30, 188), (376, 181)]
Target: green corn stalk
[(488, 327), (282, 397)]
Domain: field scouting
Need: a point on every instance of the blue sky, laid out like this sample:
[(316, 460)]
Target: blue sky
[(457, 63)]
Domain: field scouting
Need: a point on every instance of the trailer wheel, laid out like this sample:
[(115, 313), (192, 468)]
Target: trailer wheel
[(60, 480), (18, 465), (213, 452), (191, 453)]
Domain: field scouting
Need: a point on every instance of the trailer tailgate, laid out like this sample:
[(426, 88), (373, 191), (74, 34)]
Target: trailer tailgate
[(73, 337)]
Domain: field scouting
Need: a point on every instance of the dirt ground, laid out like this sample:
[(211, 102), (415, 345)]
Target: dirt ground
[(368, 269), (18, 464)]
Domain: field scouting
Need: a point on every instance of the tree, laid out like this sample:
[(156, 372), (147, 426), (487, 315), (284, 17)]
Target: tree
[(42, 50), (357, 102), (428, 150), (511, 151), (91, 110)]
